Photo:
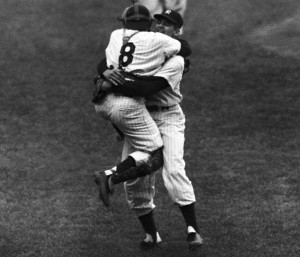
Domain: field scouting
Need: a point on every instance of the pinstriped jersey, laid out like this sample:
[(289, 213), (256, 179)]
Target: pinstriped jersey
[(143, 54), (172, 71)]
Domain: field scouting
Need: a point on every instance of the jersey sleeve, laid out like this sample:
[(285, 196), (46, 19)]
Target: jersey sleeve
[(171, 46), (112, 49), (172, 70)]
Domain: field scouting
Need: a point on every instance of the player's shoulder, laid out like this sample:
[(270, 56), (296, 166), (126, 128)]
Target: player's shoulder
[(164, 36), (154, 36), (149, 33), (176, 60), (116, 32)]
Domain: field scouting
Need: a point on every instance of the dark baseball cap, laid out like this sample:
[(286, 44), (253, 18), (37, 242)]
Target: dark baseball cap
[(136, 12), (172, 16)]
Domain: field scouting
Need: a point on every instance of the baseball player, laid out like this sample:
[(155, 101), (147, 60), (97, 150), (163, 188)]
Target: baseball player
[(166, 112), (136, 50)]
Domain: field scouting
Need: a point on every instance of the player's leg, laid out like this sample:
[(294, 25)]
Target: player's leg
[(105, 107), (132, 118), (175, 179), (131, 168), (139, 194), (171, 124), (128, 169)]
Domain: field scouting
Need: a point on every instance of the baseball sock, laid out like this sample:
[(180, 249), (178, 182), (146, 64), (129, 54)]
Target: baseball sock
[(189, 214), (148, 224)]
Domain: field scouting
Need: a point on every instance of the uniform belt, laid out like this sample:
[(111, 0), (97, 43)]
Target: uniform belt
[(155, 108)]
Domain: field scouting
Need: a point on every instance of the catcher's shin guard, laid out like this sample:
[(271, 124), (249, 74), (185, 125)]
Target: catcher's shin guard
[(131, 173), (156, 162)]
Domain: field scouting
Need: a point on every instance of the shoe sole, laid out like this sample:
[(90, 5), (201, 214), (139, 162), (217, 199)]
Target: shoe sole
[(100, 180), (196, 243)]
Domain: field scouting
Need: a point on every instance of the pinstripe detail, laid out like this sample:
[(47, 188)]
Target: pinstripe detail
[(133, 119), (140, 192), (150, 51), (171, 124), (130, 114), (172, 72)]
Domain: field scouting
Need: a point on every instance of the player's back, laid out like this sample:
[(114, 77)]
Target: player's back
[(143, 54)]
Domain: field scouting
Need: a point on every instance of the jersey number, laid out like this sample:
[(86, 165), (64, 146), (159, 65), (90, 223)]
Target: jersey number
[(126, 56)]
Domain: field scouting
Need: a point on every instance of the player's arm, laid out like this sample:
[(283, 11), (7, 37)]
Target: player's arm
[(171, 46), (110, 74), (143, 87), (185, 49), (137, 86)]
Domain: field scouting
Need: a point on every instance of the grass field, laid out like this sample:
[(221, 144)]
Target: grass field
[(241, 102)]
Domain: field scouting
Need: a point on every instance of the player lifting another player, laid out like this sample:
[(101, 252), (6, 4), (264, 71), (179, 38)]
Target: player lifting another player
[(134, 50), (164, 108)]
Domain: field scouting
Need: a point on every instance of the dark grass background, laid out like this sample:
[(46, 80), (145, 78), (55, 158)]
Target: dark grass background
[(242, 136)]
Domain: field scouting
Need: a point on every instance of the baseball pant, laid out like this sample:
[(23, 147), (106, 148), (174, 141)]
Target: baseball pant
[(133, 119), (140, 192)]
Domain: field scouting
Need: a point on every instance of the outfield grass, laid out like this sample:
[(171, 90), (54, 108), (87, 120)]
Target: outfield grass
[(242, 134)]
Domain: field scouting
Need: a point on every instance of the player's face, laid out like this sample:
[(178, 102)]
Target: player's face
[(166, 27)]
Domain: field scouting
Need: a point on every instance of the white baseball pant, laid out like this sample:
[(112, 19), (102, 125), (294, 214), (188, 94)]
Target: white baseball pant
[(133, 119), (140, 192)]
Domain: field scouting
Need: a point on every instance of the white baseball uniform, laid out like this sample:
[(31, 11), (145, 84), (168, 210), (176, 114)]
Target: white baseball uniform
[(148, 51), (171, 124), (143, 55)]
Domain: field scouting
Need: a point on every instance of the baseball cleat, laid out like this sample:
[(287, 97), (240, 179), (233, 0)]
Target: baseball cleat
[(111, 185), (149, 242), (194, 239), (102, 181)]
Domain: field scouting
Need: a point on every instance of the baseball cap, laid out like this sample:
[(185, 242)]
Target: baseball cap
[(172, 16), (136, 12)]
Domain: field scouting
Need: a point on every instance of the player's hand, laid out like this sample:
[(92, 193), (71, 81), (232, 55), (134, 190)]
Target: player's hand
[(114, 76), (104, 86)]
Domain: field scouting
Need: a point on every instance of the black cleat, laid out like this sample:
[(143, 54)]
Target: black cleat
[(194, 239), (102, 181)]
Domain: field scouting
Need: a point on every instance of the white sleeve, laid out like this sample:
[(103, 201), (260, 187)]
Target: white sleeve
[(111, 51), (172, 70), (171, 46)]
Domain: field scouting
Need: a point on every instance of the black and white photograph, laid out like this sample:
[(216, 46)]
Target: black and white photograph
[(149, 128)]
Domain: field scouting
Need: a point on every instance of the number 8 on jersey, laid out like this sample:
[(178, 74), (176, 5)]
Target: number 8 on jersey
[(126, 54)]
